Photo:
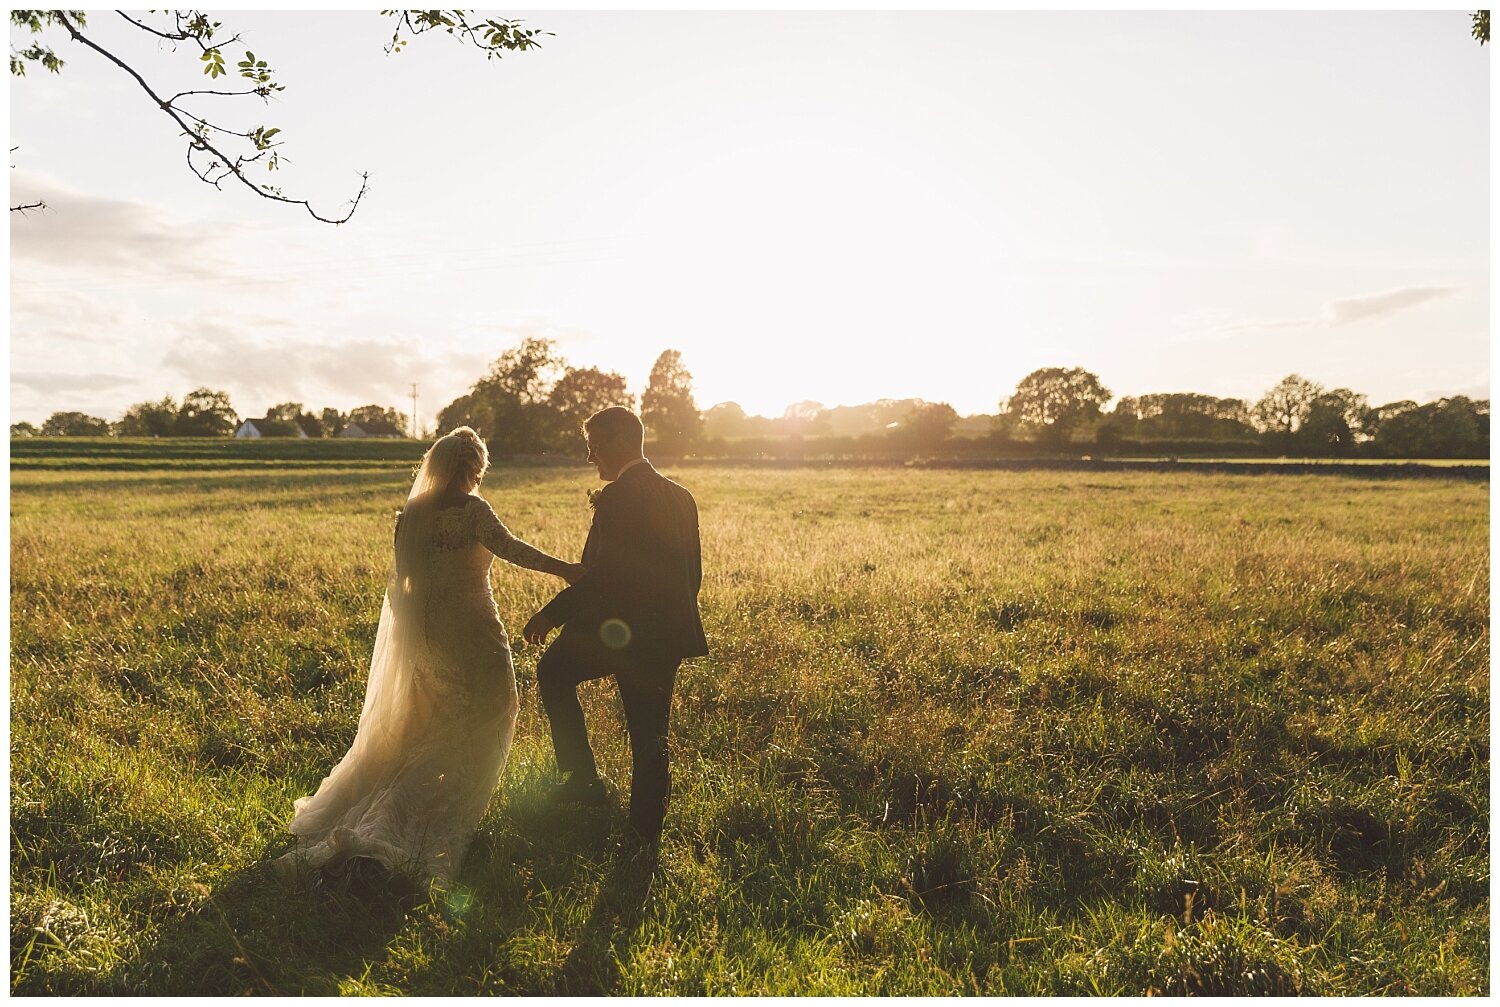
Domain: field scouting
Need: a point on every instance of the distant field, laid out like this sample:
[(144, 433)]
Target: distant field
[(961, 732), (216, 452), (1439, 462), (129, 453)]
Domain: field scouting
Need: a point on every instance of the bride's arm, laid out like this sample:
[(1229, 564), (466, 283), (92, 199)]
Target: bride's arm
[(495, 537)]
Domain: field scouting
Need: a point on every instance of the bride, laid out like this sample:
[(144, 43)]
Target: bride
[(440, 705)]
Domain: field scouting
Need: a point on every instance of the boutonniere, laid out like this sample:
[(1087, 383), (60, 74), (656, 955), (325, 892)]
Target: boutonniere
[(594, 498)]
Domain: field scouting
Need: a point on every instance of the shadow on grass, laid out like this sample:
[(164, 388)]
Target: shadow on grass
[(521, 894), (592, 967), (256, 934), (571, 843)]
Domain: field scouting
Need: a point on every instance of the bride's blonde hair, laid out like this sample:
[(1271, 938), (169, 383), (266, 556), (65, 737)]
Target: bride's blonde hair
[(460, 452)]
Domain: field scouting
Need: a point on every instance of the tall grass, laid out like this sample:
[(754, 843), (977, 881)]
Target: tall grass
[(961, 732)]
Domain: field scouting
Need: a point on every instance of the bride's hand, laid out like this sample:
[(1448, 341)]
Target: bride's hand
[(571, 572)]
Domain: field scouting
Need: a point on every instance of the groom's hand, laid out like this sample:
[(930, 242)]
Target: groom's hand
[(537, 628)]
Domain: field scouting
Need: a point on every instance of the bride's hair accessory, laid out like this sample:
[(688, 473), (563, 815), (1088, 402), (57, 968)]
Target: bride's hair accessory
[(460, 451)]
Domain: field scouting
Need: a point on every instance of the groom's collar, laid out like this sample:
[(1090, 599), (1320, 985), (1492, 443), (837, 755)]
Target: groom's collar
[(632, 464)]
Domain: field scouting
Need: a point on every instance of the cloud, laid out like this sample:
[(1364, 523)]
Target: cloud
[(40, 316), (1346, 310), (54, 382), (259, 364), (99, 236), (1389, 302)]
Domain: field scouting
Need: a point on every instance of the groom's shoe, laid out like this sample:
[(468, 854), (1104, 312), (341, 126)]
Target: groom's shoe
[(586, 790)]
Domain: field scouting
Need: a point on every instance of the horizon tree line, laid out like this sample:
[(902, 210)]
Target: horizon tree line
[(532, 401), (205, 412), (1294, 416)]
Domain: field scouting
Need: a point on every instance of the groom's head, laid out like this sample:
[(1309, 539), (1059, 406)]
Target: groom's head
[(614, 436)]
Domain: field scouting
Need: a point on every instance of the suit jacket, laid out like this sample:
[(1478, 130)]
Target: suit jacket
[(643, 566)]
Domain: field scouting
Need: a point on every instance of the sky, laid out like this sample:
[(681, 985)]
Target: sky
[(839, 207)]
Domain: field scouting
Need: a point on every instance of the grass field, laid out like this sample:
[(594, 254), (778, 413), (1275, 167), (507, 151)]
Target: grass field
[(961, 732)]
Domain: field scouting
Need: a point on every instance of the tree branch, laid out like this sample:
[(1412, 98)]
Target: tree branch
[(40, 204), (489, 36), (198, 138), (143, 26), (258, 91), (218, 129), (198, 29), (206, 155)]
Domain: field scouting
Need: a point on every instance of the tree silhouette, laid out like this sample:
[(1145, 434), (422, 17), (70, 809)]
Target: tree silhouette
[(1456, 427), (1055, 400), (465, 411), (1333, 422), (510, 406), (926, 426), (1460, 427), (581, 392), (727, 419), (371, 414), (148, 419), (1375, 418), (1004, 426), (70, 424), (311, 425), (805, 418), (205, 413), (333, 422), (667, 407), (1283, 408), (1185, 415)]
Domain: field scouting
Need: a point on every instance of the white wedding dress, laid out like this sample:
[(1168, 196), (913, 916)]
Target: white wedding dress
[(440, 705)]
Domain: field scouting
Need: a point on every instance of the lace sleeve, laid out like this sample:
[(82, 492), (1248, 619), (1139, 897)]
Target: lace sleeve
[(497, 538)]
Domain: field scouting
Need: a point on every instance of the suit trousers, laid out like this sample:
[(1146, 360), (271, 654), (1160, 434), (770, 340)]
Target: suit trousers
[(645, 682)]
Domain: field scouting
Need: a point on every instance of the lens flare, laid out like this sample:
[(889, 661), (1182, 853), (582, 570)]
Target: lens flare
[(615, 634), (456, 903)]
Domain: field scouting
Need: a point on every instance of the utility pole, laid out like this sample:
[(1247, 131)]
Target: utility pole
[(415, 432)]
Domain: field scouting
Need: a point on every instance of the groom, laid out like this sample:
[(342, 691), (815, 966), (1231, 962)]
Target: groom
[(632, 615)]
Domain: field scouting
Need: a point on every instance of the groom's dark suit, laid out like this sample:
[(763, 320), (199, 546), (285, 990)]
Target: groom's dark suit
[(633, 615)]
